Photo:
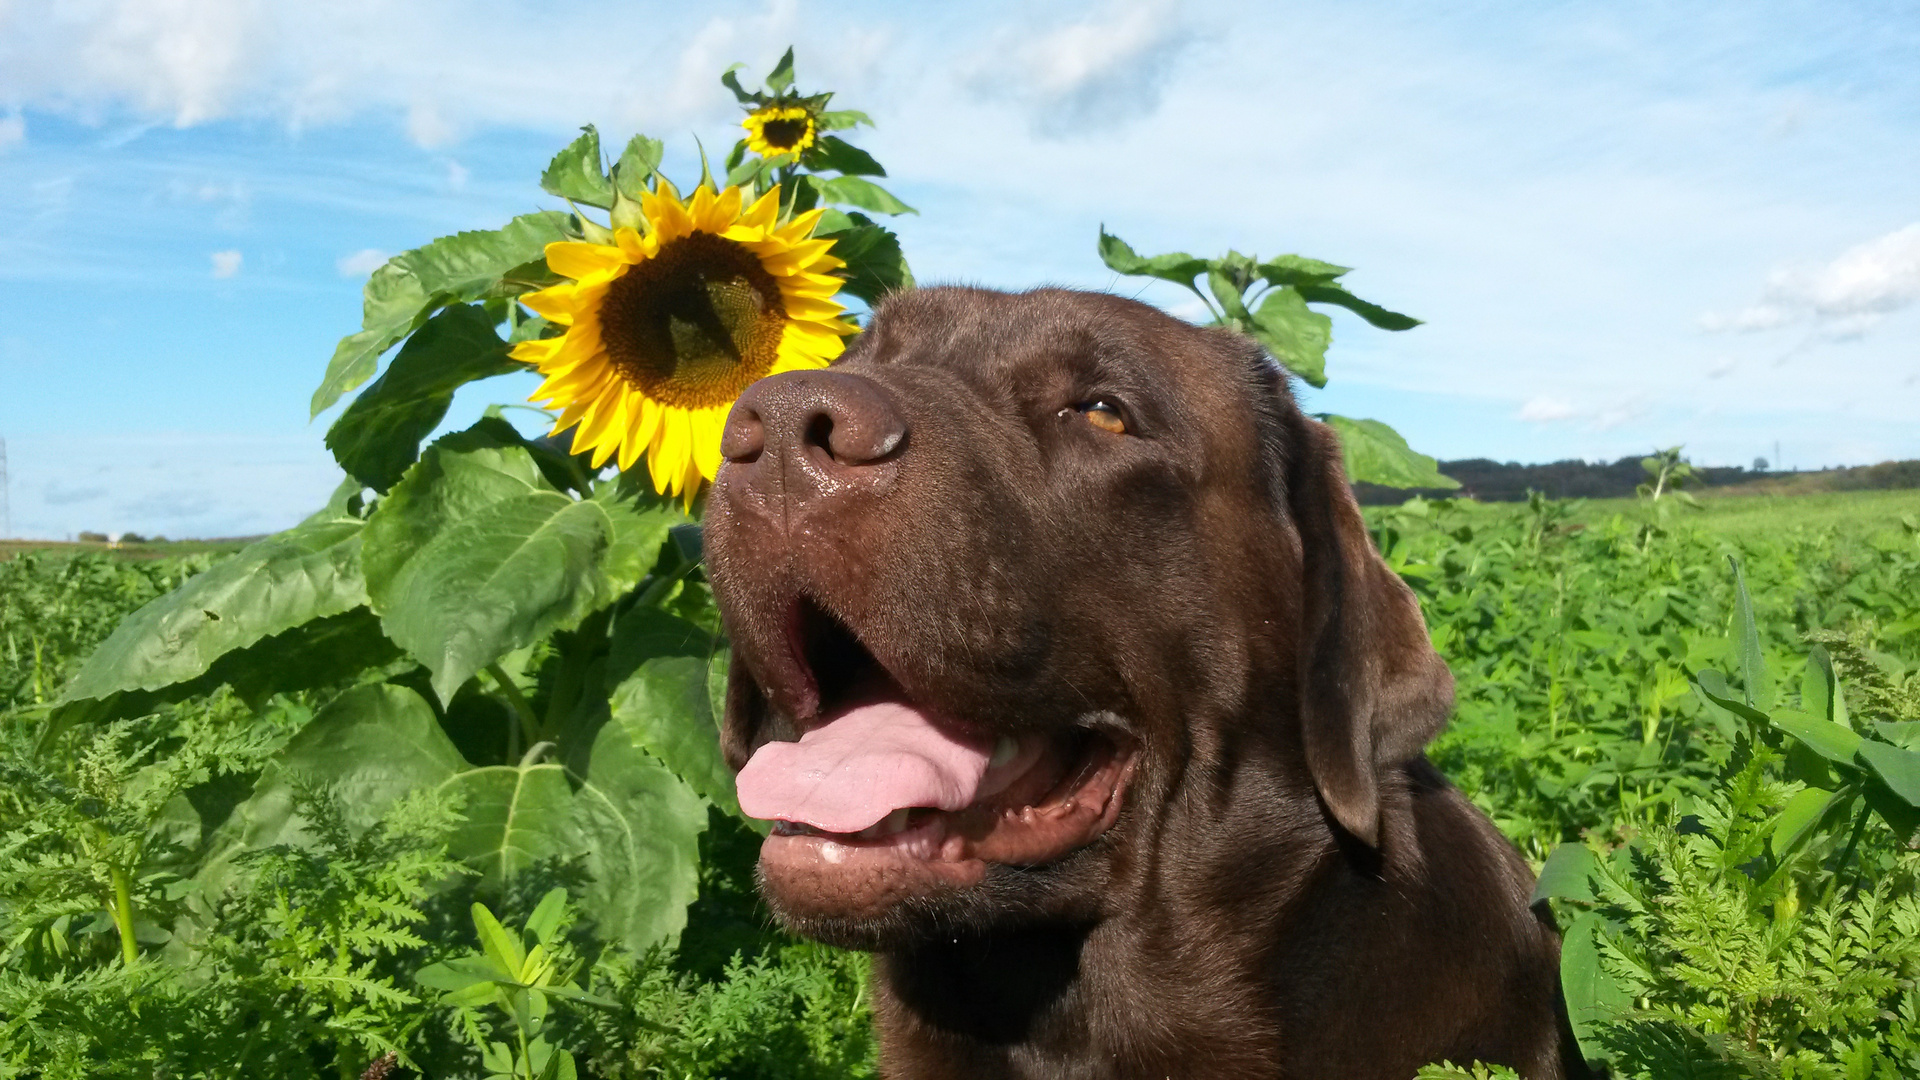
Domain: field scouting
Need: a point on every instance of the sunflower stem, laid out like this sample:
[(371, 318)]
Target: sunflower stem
[(529, 725), (123, 913)]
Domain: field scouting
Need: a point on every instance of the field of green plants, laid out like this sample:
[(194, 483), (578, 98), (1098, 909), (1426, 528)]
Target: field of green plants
[(1724, 806), (430, 783)]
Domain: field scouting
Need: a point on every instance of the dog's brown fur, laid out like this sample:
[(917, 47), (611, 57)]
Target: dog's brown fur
[(1289, 889)]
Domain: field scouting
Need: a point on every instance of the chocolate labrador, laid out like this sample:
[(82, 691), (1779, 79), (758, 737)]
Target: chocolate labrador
[(1075, 691)]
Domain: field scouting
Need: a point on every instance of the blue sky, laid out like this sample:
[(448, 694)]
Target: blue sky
[(1628, 224)]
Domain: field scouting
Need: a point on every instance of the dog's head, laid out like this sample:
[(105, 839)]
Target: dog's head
[(1021, 579)]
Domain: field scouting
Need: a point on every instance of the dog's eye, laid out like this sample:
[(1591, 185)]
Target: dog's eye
[(1101, 414)]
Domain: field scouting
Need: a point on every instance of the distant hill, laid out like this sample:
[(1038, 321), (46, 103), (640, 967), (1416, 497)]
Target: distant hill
[(1491, 481)]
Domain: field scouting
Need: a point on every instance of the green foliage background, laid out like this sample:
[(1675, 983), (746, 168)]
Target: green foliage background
[(431, 781)]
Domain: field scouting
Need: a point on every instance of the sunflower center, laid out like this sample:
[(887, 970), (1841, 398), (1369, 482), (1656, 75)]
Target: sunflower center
[(784, 134), (696, 324)]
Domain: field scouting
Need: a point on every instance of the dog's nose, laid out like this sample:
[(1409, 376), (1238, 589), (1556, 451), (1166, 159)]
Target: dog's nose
[(807, 433)]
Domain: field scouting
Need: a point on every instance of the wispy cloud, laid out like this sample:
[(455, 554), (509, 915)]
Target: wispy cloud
[(1546, 409), (361, 263), (13, 130), (1092, 74), (226, 264), (1842, 298)]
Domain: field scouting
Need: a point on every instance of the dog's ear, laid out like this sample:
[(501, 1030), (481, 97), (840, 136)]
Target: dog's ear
[(1373, 691)]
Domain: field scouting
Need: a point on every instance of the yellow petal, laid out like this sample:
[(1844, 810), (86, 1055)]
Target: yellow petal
[(556, 304), (571, 258), (764, 211), (707, 425), (543, 351)]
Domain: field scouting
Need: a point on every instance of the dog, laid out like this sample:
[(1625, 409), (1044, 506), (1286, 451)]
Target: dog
[(1076, 692)]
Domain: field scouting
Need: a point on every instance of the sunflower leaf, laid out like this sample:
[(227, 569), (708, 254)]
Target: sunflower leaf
[(842, 156), (270, 586), (575, 172), (475, 553), (638, 161), (1330, 293), (732, 82), (378, 436), (781, 76), (658, 669), (404, 293), (853, 191), (1376, 454), (1295, 335), (875, 265), (1175, 266), (458, 474), (1299, 270), (842, 119), (633, 827)]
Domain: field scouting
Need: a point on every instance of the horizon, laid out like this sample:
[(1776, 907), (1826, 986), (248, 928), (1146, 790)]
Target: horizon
[(1626, 228)]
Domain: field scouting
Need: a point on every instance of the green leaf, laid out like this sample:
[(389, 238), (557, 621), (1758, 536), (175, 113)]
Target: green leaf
[(1376, 454), (1902, 733), (1897, 768), (458, 475), (404, 293), (841, 119), (640, 827), (638, 161), (1227, 292), (658, 671), (1829, 740), (547, 914), (781, 76), (854, 191), (512, 572), (1756, 687), (378, 436), (833, 152), (732, 82), (1298, 270), (575, 172), (1800, 817), (1565, 875), (1294, 335), (1329, 293), (502, 947), (365, 748), (1593, 996), (1816, 684), (1175, 266), (875, 265), (270, 586)]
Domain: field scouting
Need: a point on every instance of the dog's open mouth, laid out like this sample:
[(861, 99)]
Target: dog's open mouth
[(878, 784)]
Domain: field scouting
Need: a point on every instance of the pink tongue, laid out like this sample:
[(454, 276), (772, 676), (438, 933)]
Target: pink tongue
[(849, 773)]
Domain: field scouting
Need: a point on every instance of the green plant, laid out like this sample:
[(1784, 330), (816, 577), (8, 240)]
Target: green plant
[(519, 973), (1771, 931), (1267, 301)]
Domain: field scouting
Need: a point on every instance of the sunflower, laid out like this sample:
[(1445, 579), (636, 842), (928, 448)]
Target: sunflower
[(664, 330), (776, 129)]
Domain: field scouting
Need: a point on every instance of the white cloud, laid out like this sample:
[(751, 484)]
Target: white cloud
[(225, 263), (1093, 74), (13, 130), (1546, 409), (360, 263), (424, 64), (1842, 298)]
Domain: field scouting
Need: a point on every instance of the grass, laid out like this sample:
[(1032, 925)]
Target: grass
[(141, 551), (1744, 516)]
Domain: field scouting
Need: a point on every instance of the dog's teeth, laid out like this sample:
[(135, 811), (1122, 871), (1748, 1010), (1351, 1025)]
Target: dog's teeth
[(1003, 751)]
